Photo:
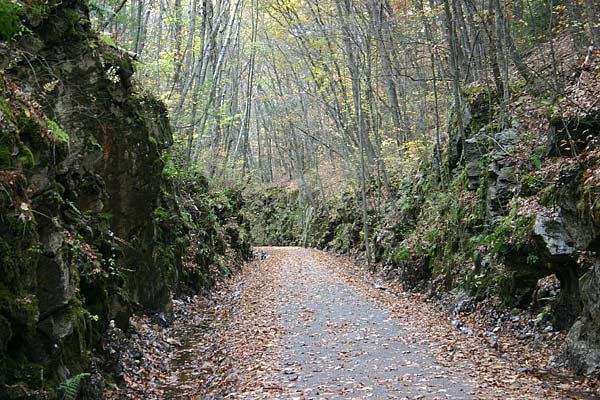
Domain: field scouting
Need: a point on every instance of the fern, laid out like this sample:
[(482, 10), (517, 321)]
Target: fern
[(70, 387)]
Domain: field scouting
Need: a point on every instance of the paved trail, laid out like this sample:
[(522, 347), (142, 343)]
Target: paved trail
[(302, 324), (306, 325), (340, 344)]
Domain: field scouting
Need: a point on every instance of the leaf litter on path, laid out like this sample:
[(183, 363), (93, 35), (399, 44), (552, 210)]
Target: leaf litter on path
[(302, 324)]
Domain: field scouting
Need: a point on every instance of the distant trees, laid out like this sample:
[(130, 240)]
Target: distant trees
[(318, 91)]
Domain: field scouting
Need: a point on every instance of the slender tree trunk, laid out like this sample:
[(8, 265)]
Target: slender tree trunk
[(178, 32), (593, 15), (188, 52), (360, 124), (377, 12), (159, 46), (502, 55), (576, 27), (456, 77)]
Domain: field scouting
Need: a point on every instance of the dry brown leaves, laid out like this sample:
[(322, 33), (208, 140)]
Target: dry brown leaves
[(230, 345), (513, 371), (252, 339)]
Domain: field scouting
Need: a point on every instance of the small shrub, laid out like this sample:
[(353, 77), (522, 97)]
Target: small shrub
[(530, 185), (532, 259)]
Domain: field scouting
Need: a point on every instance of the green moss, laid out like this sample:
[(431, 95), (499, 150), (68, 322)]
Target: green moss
[(8, 266), (22, 313), (548, 196), (482, 100), (25, 157), (461, 181), (554, 115), (13, 153), (588, 203), (400, 255), (57, 132), (10, 19), (33, 375), (510, 235), (517, 87), (5, 156), (166, 259), (473, 92), (26, 311), (530, 185), (6, 110), (32, 131)]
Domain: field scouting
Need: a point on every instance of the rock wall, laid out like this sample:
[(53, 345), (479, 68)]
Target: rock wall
[(91, 226)]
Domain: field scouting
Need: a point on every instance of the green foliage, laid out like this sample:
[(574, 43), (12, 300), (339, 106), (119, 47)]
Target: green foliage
[(58, 134), (73, 207), (92, 143), (9, 159), (475, 91), (101, 8), (107, 39), (25, 156), (517, 86), (530, 185), (170, 169), (510, 234), (5, 110), (532, 259), (401, 254), (10, 15), (163, 215), (70, 387), (5, 155), (536, 161), (548, 196)]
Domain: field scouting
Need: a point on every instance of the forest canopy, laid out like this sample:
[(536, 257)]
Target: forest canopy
[(268, 90)]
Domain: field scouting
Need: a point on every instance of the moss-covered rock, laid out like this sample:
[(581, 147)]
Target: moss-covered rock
[(81, 240)]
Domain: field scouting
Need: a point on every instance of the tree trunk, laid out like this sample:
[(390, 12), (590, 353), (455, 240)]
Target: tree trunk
[(576, 27), (591, 9)]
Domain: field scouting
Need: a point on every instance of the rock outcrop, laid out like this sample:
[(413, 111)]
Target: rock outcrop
[(91, 228)]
